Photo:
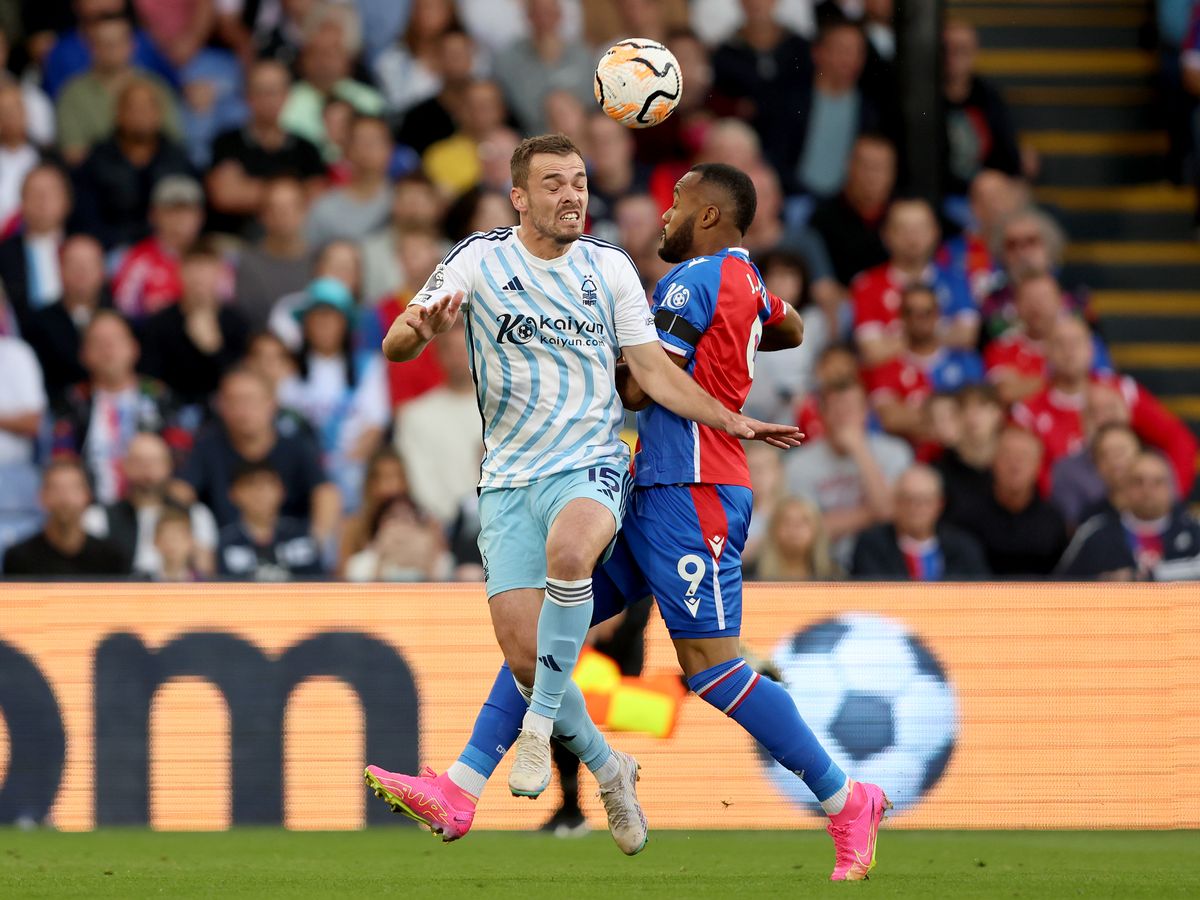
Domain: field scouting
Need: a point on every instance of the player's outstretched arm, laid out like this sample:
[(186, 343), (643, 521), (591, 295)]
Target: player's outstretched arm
[(784, 334), (418, 325), (669, 386)]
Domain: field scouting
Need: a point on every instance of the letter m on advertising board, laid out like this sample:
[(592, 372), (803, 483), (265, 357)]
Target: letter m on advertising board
[(256, 690)]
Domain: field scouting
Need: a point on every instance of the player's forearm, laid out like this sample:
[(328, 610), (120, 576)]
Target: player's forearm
[(402, 342), (670, 387), (783, 335)]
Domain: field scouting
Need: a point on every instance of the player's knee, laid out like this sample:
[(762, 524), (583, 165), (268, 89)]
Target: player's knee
[(524, 670), (570, 561)]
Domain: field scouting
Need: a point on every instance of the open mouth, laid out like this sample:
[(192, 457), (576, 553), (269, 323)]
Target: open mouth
[(570, 216)]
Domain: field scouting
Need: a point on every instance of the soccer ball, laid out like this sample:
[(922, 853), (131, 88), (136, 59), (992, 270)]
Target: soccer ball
[(876, 698), (638, 82)]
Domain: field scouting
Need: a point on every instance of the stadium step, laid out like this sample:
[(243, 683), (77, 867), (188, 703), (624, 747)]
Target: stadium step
[(1081, 79)]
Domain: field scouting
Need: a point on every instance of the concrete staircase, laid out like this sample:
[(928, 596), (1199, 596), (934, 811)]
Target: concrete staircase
[(1082, 89)]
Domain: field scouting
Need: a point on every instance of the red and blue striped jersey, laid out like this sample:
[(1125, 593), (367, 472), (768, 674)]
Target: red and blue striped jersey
[(711, 310)]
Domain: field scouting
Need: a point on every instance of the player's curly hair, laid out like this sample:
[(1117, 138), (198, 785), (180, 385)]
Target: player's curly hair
[(554, 144)]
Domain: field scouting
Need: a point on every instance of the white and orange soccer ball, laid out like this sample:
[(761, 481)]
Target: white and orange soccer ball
[(638, 82)]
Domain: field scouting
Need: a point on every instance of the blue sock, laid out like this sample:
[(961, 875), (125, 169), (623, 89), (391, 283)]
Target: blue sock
[(496, 726), (562, 626), (765, 710)]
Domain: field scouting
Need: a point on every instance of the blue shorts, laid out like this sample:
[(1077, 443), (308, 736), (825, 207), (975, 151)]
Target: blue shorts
[(683, 543), (514, 522)]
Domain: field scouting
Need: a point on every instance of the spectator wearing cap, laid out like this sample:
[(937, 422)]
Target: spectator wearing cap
[(246, 432), (63, 549), (54, 332), (87, 105), (281, 261), (1022, 535), (1152, 539), (246, 159), (915, 546), (114, 184), (354, 211), (341, 391), (261, 544), (332, 39), (191, 344), (97, 418), (148, 278), (851, 222), (849, 471), (132, 522), (900, 387), (30, 269), (534, 66), (1054, 414), (71, 54), (337, 259), (910, 233)]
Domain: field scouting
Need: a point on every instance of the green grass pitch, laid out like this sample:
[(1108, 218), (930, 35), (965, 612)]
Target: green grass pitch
[(725, 865)]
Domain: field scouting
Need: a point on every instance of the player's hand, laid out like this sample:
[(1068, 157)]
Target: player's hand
[(782, 436), (436, 318)]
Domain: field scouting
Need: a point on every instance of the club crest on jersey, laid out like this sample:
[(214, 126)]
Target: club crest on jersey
[(438, 278), (588, 290), (677, 296)]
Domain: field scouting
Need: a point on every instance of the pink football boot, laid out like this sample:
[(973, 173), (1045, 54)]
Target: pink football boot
[(854, 831), (429, 798)]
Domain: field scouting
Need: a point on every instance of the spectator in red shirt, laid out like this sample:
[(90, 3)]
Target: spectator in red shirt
[(1054, 413), (1016, 362), (911, 235), (148, 279), (899, 388)]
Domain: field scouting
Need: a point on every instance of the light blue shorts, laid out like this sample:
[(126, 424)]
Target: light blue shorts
[(515, 522)]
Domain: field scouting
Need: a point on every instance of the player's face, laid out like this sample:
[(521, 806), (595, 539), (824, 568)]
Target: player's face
[(554, 202), (679, 222)]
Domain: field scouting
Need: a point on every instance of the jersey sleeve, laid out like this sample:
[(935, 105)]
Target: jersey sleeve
[(631, 316), (452, 274), (776, 308), (684, 303)]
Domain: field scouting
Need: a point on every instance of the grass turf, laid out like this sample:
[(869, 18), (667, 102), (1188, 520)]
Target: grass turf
[(382, 862)]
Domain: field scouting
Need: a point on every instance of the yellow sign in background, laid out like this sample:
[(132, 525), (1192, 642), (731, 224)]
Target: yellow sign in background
[(1078, 705)]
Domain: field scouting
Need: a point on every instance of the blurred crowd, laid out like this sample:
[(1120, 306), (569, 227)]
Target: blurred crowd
[(212, 211)]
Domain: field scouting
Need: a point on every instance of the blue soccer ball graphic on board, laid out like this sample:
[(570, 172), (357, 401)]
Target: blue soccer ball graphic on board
[(876, 697)]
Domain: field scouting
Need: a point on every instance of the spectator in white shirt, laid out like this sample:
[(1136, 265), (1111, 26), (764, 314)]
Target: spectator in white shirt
[(22, 409)]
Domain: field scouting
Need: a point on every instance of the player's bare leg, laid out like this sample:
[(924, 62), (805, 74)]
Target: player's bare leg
[(718, 675), (576, 539)]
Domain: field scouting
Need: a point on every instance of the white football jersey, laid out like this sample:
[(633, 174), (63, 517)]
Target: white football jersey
[(544, 337)]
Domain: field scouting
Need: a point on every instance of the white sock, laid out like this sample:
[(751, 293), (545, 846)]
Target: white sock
[(467, 779), (609, 770), (542, 725), (835, 803)]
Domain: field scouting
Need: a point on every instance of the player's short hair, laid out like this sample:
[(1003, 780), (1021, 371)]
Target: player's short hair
[(737, 185), (554, 144)]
